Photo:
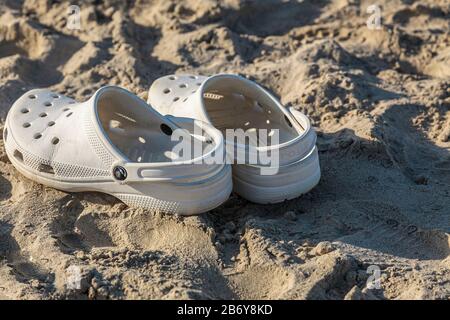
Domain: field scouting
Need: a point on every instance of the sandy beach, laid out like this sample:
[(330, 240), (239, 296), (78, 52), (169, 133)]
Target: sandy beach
[(379, 99)]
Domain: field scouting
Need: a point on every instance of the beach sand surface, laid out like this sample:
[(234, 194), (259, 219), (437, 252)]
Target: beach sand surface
[(378, 98)]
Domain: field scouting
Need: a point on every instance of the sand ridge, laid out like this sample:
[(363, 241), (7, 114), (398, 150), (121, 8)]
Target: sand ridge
[(379, 100)]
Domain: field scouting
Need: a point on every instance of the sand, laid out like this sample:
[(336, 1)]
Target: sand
[(379, 100)]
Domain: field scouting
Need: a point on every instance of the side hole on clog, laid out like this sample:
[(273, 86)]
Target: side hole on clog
[(48, 104), (166, 129), (32, 96), (24, 110), (51, 123), (46, 168), (55, 140), (26, 125), (6, 134), (37, 136), (43, 115), (183, 85), (54, 96), (166, 91), (176, 99), (172, 78), (18, 155), (66, 109), (69, 114), (193, 77)]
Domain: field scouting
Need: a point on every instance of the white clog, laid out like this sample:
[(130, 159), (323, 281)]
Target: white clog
[(232, 102), (114, 143)]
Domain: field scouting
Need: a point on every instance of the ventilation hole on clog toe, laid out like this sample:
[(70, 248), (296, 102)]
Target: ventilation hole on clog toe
[(43, 115), (24, 110), (166, 91), (199, 84), (183, 85), (18, 155), (55, 140), (48, 104), (288, 121), (172, 78), (26, 125), (69, 114), (166, 129), (176, 99), (37, 135), (54, 96), (32, 96), (66, 109), (46, 168), (51, 123), (193, 77)]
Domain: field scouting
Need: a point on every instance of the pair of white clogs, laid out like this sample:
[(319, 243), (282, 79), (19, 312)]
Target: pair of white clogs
[(175, 154)]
